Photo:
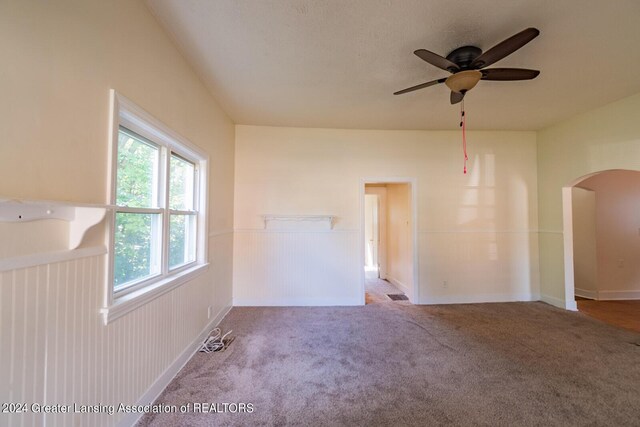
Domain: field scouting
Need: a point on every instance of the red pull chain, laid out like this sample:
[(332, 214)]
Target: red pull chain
[(463, 125)]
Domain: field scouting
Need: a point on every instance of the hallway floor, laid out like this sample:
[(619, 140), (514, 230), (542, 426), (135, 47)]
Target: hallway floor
[(624, 314), (376, 291)]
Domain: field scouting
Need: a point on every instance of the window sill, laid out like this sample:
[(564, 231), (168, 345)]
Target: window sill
[(129, 302)]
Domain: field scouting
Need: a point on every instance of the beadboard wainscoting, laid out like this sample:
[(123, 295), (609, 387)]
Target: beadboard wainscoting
[(295, 268), (475, 266), (60, 352), (323, 268)]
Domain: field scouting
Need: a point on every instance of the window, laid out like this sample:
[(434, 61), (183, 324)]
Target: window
[(158, 182), (137, 242)]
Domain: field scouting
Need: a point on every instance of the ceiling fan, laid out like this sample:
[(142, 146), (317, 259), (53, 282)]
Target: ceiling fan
[(467, 64)]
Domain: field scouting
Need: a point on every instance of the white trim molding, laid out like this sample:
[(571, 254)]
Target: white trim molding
[(481, 298), (557, 302), (263, 231), (298, 222), (567, 243), (220, 233), (585, 293), (618, 295), (33, 260), (550, 231), (144, 123), (478, 231), (142, 296), (295, 302)]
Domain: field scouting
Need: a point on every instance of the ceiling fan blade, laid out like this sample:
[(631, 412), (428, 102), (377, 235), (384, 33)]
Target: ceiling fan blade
[(505, 48), (420, 86), (437, 60), (501, 74), (456, 97)]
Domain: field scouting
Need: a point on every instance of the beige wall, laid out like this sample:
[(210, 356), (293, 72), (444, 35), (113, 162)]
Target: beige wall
[(59, 61), (400, 238), (617, 225), (601, 139), (477, 232)]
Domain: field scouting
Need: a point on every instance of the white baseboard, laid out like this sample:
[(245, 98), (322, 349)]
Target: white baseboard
[(585, 293), (172, 370), (295, 302), (617, 295), (607, 295), (557, 302), (481, 298)]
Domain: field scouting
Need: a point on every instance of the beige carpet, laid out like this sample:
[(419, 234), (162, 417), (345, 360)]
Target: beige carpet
[(388, 364)]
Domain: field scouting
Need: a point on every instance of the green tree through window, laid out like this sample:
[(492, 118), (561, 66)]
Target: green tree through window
[(136, 188), (142, 213)]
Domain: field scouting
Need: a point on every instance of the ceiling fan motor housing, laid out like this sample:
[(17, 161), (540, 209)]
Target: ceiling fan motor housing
[(464, 56)]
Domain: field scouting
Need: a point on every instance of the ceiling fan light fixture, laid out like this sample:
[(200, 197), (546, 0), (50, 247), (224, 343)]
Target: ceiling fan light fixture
[(463, 81)]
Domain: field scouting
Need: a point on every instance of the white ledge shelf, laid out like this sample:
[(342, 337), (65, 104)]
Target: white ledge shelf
[(80, 217), (298, 222)]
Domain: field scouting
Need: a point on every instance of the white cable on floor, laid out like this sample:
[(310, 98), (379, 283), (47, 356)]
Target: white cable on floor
[(216, 341)]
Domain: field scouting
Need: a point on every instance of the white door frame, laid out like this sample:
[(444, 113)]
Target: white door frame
[(567, 228), (567, 232), (413, 185), (567, 242)]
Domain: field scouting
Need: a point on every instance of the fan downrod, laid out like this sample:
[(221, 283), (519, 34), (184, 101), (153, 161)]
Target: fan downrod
[(464, 56)]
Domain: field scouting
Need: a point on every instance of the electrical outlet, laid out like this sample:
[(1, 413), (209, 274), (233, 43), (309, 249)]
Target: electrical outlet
[(621, 263), (445, 284), (209, 312)]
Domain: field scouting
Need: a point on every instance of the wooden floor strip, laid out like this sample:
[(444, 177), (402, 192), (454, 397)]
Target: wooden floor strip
[(624, 314)]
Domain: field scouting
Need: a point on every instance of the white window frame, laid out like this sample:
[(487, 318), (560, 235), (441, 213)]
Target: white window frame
[(131, 296)]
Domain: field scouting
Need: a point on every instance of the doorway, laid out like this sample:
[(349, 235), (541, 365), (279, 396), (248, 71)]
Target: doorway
[(375, 222), (388, 241), (601, 230)]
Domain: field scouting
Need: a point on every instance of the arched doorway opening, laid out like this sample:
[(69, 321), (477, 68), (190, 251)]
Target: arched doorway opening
[(601, 215)]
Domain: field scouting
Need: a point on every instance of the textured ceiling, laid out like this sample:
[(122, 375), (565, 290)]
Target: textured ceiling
[(336, 63)]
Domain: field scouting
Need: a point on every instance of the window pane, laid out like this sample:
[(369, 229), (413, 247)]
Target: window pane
[(137, 173), (181, 184), (182, 240), (137, 248)]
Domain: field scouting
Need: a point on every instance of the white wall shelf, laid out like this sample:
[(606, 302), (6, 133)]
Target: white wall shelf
[(80, 217), (298, 222)]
